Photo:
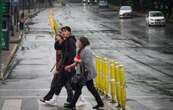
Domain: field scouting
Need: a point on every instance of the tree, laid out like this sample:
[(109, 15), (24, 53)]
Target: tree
[(170, 3)]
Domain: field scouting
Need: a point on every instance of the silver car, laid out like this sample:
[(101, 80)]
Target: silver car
[(103, 3), (155, 18), (125, 12)]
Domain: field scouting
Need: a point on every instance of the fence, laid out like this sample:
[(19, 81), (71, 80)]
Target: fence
[(111, 81)]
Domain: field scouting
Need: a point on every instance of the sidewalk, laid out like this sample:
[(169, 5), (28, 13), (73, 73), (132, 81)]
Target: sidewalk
[(7, 56)]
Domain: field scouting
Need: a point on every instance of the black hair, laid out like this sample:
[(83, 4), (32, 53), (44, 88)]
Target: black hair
[(85, 42), (66, 28), (22, 15)]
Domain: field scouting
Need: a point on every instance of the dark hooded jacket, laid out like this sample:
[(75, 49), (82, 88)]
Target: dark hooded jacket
[(68, 48)]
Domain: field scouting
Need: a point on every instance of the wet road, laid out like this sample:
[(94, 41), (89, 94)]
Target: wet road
[(146, 52)]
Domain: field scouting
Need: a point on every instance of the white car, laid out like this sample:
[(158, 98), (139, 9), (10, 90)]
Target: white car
[(125, 11), (103, 3), (155, 18)]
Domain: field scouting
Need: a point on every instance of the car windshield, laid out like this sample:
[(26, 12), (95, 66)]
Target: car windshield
[(155, 14), (125, 8)]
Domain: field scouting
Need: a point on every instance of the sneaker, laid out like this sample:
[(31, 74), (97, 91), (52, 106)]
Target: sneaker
[(99, 106), (42, 100), (80, 103), (53, 101)]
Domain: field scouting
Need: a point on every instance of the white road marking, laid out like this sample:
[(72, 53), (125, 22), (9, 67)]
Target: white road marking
[(12, 104)]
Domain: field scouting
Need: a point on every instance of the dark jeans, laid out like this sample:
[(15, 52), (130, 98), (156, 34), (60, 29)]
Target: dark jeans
[(91, 88), (59, 80)]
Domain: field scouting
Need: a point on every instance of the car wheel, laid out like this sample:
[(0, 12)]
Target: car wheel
[(149, 25), (164, 25)]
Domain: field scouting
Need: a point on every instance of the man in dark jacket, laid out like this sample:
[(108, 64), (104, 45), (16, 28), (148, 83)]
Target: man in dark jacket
[(64, 47), (68, 47)]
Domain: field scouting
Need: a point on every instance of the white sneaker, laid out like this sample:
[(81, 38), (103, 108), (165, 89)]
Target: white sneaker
[(81, 102), (53, 101), (82, 98)]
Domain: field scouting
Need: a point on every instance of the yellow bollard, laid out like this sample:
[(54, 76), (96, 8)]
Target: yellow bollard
[(97, 70), (102, 75), (112, 82), (118, 87), (56, 26), (107, 75), (123, 87), (99, 73)]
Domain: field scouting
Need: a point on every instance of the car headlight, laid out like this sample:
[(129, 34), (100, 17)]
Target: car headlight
[(151, 19)]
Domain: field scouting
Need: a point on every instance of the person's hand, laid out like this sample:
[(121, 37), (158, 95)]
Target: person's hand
[(68, 68), (58, 39)]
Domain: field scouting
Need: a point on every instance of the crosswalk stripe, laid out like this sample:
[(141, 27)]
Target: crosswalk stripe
[(12, 104), (1, 103), (29, 104)]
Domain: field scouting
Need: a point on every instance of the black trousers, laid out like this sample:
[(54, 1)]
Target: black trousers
[(91, 88), (59, 80)]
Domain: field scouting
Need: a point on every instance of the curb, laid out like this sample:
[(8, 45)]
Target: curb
[(17, 40), (5, 67)]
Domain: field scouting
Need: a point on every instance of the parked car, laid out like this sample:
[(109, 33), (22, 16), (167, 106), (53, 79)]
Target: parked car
[(125, 12), (155, 18), (103, 3)]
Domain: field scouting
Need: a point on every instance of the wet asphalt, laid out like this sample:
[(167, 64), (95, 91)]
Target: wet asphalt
[(146, 53)]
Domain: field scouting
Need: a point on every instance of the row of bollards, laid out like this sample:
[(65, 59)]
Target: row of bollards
[(111, 81), (54, 24)]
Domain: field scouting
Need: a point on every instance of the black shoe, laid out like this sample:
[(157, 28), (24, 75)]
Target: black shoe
[(42, 100), (69, 106), (99, 106)]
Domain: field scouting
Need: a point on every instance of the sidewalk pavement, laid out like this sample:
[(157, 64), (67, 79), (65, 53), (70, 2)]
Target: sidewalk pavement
[(7, 56)]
